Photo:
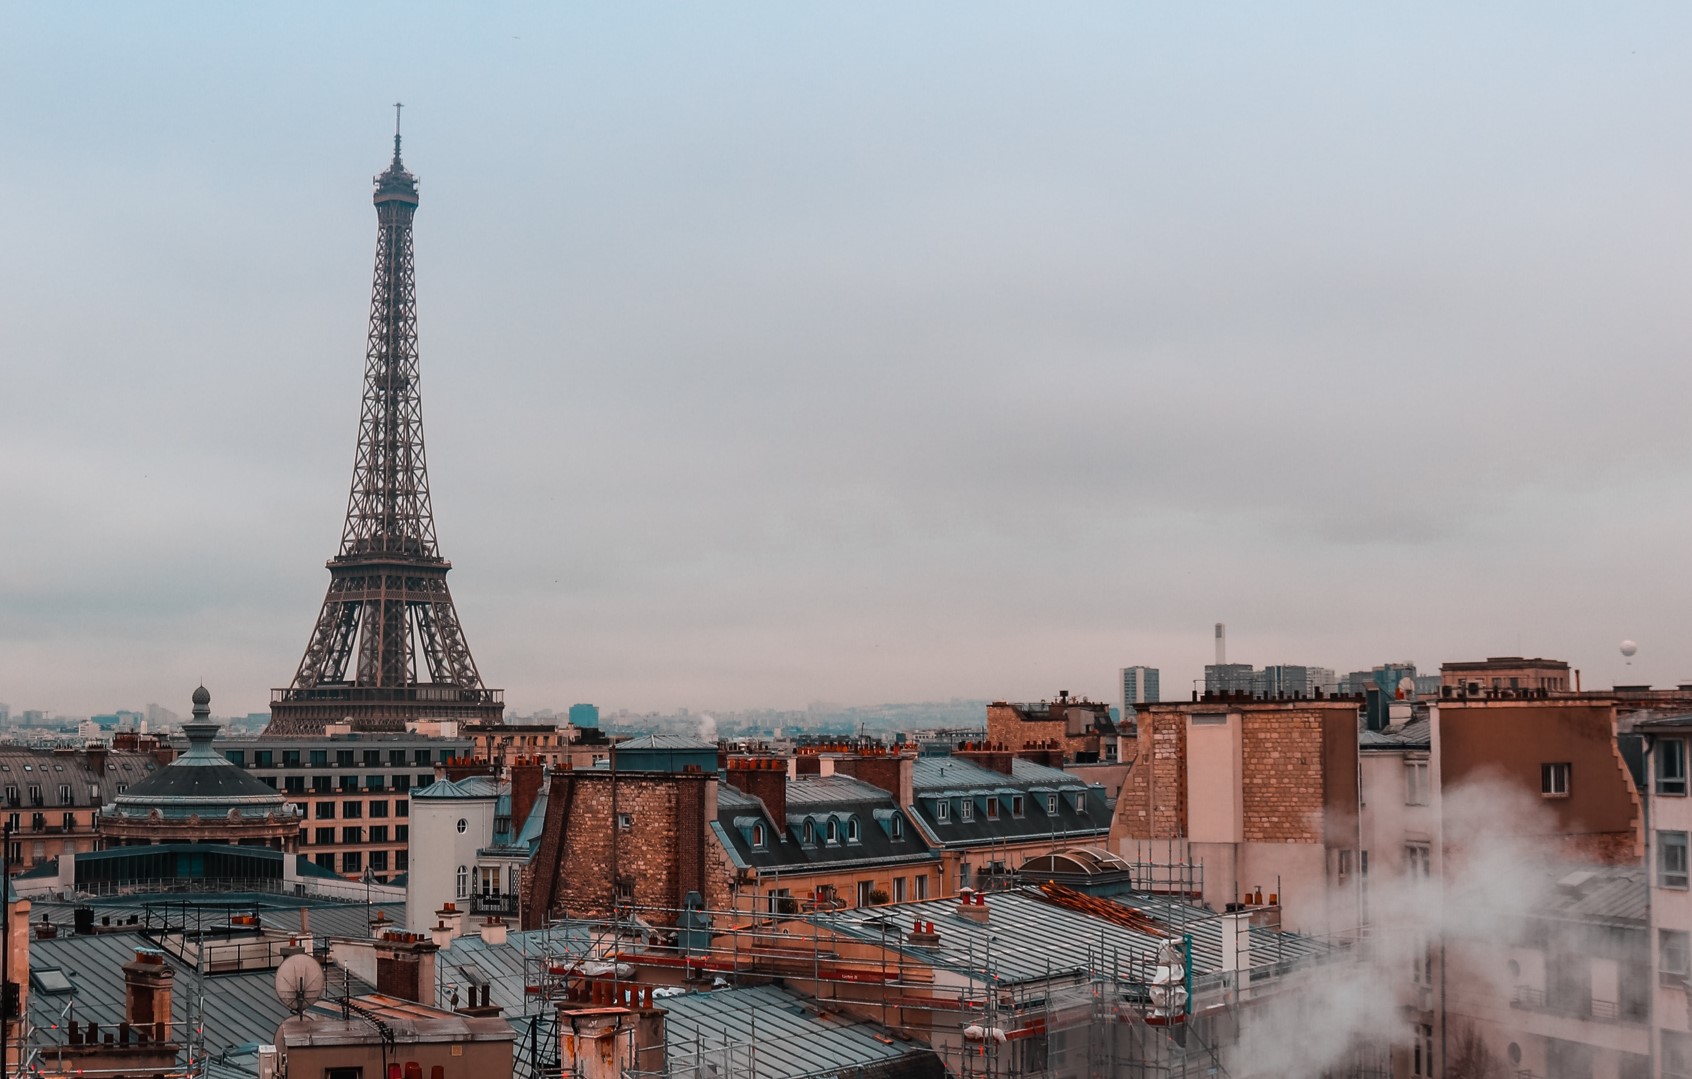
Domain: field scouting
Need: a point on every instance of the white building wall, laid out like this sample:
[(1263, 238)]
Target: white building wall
[(438, 848)]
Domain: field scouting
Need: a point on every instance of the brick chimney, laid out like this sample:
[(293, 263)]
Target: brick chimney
[(1049, 753), (405, 967), (97, 759), (993, 756), (146, 993), (607, 1031), (765, 778), (527, 775), (892, 771), (462, 767)]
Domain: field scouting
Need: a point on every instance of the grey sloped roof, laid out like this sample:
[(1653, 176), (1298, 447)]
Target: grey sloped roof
[(1027, 939), (468, 787), (238, 1008), (200, 782), (819, 800), (1617, 896), (769, 1033), (1415, 734), (954, 780)]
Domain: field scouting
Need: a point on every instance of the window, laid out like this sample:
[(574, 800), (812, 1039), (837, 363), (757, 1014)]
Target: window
[(64, 794), (966, 809), (327, 861), (1081, 804), (1415, 783), (321, 784), (325, 811), (1016, 805), (237, 757), (402, 860), (810, 834), (1421, 961), (352, 835), (396, 758), (352, 861), (290, 758), (1051, 805), (320, 758), (352, 810), (833, 831), (69, 823), (1554, 780), (379, 861), (1418, 861), (379, 833), (379, 808), (865, 887), (462, 825), (423, 756), (1674, 949), (402, 833), (35, 795), (1670, 758), (942, 811), (625, 822), (401, 807), (896, 826), (757, 837), (898, 889), (921, 888), (294, 784), (463, 881), (1671, 859), (324, 837), (372, 758), (343, 758), (375, 783), (12, 796), (851, 829), (1421, 1062), (263, 758), (992, 807), (423, 781), (349, 783)]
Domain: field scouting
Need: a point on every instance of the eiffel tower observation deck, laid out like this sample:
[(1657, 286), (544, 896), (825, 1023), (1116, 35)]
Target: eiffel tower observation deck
[(387, 646)]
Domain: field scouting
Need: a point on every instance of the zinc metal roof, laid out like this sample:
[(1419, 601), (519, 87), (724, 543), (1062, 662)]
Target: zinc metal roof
[(238, 1008), (769, 1033), (834, 790), (1026, 939), (1618, 896)]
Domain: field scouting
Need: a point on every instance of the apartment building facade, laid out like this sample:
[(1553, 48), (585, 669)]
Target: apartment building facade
[(353, 791)]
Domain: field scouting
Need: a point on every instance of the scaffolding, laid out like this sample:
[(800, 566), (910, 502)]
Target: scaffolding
[(1111, 1017)]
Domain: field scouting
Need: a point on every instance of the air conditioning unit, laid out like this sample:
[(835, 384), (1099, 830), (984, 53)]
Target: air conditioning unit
[(267, 1062)]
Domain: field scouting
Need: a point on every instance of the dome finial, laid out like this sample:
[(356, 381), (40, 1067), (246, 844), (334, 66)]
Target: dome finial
[(202, 703)]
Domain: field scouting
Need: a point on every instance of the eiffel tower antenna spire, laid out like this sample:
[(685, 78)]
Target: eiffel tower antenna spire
[(387, 646)]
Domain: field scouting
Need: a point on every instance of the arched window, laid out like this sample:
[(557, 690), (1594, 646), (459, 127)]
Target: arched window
[(810, 834), (463, 881), (833, 831), (851, 829), (758, 836), (898, 823)]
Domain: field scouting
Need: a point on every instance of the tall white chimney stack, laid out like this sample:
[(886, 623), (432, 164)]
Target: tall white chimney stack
[(1221, 644)]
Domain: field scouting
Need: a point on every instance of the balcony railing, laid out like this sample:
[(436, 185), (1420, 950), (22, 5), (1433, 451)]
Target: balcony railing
[(1526, 996), (493, 904)]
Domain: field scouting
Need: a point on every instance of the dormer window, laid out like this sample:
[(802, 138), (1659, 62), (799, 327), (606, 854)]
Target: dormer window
[(993, 807), (967, 809), (1016, 805), (851, 829), (1081, 804), (942, 811), (757, 837), (833, 832), (810, 834), (1051, 804), (897, 827)]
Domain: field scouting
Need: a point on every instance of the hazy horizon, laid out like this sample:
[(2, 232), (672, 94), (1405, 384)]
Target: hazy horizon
[(776, 354)]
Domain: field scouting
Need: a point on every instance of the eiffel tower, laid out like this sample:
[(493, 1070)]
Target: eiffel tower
[(387, 646)]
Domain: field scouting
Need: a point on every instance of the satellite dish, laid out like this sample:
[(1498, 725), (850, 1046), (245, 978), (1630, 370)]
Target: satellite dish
[(1628, 648), (299, 983)]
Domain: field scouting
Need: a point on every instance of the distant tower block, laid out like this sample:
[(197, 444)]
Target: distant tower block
[(387, 646)]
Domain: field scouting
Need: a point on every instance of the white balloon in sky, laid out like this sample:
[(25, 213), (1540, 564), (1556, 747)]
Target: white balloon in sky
[(1628, 648)]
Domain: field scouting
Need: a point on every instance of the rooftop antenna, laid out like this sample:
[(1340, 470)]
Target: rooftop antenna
[(397, 107)]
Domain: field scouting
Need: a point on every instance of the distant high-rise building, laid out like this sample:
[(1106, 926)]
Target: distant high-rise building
[(584, 715), (1139, 686), (1291, 680), (1229, 678)]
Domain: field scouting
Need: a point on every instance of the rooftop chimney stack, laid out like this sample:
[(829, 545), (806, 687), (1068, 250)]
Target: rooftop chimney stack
[(1221, 644)]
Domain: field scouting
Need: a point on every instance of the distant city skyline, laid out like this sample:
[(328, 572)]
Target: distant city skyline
[(774, 355)]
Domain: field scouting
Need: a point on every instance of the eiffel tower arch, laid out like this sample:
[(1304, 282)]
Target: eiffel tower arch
[(387, 646)]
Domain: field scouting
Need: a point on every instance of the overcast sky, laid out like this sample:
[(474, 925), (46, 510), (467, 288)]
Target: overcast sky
[(776, 353)]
